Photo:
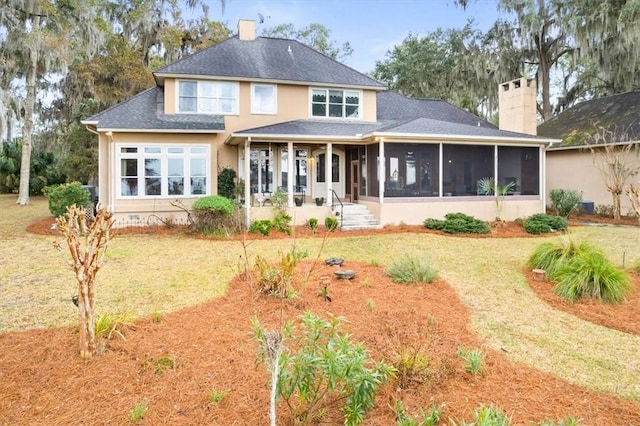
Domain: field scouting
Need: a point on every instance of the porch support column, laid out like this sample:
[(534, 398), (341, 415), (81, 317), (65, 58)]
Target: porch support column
[(382, 171), (495, 170), (328, 173), (247, 181), (290, 174)]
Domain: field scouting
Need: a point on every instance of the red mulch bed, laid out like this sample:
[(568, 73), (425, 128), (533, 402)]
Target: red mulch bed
[(43, 381)]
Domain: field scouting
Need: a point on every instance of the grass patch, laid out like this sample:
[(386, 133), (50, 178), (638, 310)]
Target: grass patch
[(216, 396), (138, 412)]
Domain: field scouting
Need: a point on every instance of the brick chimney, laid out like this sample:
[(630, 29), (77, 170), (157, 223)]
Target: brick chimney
[(517, 106), (246, 30)]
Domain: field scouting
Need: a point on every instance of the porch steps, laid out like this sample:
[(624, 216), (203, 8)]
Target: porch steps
[(356, 217)]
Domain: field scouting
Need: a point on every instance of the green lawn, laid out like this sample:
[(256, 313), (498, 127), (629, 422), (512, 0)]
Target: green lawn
[(148, 274)]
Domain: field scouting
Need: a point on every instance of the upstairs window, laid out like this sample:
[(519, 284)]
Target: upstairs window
[(263, 99), (335, 103), (208, 97)]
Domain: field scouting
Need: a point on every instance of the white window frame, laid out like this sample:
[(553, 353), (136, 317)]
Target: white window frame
[(217, 97), (189, 152), (255, 108), (344, 103)]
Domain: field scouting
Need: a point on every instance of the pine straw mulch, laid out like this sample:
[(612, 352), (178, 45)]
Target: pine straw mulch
[(43, 381)]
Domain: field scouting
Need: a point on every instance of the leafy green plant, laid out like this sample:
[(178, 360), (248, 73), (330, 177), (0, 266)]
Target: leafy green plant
[(313, 224), (262, 226), (564, 201), (331, 223), (490, 416), (486, 186), (276, 277), (458, 223), (567, 421), (138, 412), (216, 396), (541, 223), (281, 222), (226, 183), (64, 195), (429, 418), (328, 371), (473, 359), (411, 269)]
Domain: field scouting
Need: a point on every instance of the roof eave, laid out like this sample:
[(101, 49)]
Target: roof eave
[(122, 130), (440, 137)]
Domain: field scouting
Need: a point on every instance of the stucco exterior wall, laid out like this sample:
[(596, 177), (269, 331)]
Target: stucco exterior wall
[(574, 169)]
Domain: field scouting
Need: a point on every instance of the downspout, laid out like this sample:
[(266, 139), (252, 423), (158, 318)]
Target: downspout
[(247, 183)]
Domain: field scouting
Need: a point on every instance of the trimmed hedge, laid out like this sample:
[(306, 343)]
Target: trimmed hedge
[(541, 223), (65, 195), (458, 223)]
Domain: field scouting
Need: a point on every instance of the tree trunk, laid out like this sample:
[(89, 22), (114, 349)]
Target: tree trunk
[(616, 205), (27, 128)]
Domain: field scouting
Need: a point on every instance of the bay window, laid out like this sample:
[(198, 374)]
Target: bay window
[(162, 170)]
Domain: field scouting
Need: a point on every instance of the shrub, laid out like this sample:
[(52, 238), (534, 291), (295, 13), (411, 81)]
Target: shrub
[(281, 222), (552, 256), (226, 183), (411, 269), (604, 210), (564, 201), (313, 224), (276, 277), (65, 195), (541, 223), (458, 223), (327, 370), (215, 214), (262, 226), (591, 274), (331, 223)]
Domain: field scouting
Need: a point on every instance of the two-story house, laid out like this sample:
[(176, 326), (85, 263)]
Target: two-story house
[(286, 116)]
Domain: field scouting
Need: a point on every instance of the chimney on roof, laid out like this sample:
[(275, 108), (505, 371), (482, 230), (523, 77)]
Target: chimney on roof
[(246, 30), (517, 106)]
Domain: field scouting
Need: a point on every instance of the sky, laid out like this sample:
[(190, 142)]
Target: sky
[(372, 27)]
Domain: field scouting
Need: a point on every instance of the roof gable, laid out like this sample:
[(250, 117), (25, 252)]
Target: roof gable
[(617, 113), (268, 59)]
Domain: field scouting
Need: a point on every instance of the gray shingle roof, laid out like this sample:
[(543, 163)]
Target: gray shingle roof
[(269, 59), (397, 115), (145, 111), (617, 113)]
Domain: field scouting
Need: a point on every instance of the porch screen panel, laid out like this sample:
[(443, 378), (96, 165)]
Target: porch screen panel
[(373, 152), (412, 170), (463, 166), (519, 167)]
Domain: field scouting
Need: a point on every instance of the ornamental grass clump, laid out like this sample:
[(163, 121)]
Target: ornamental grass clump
[(411, 269), (580, 271)]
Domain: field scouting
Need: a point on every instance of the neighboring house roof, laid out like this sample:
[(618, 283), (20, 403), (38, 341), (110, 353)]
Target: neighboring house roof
[(145, 112), (619, 114), (398, 115), (268, 59)]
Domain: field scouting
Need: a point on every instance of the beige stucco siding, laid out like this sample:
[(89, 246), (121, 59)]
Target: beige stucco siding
[(574, 169)]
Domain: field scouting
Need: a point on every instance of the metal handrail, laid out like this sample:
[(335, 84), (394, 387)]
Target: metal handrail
[(334, 195)]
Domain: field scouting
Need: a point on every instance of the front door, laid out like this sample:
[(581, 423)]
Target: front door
[(354, 185)]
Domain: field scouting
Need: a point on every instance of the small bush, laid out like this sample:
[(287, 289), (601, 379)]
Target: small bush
[(313, 224), (564, 201), (65, 195), (411, 270), (604, 210), (331, 223), (226, 183), (458, 223), (326, 370), (215, 214), (541, 223), (281, 222), (262, 226)]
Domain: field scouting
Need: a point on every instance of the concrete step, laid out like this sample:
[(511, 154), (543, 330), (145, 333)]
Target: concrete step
[(356, 217)]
